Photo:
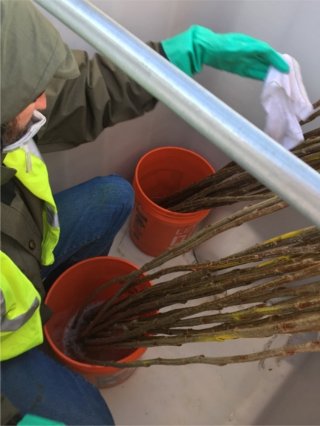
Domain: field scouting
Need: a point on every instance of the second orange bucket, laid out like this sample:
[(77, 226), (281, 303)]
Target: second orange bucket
[(68, 294), (160, 173)]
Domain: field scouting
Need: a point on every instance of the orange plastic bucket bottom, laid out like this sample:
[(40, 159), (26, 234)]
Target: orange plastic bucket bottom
[(160, 173), (69, 293)]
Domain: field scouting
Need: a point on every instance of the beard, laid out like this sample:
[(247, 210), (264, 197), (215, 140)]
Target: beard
[(11, 132)]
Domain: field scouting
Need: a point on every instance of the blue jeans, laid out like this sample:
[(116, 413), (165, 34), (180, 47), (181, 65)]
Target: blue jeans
[(90, 216), (37, 384)]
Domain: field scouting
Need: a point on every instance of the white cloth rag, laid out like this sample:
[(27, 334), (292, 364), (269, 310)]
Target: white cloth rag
[(285, 102)]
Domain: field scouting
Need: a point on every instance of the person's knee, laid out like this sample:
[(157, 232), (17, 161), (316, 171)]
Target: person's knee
[(116, 190)]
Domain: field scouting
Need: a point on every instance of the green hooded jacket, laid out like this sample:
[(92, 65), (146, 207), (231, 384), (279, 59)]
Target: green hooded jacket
[(84, 96)]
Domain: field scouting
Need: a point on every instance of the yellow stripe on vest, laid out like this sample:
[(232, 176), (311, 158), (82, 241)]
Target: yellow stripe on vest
[(21, 327)]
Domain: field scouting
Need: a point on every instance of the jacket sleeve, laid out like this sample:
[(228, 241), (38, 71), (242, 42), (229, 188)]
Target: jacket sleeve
[(79, 109), (10, 415)]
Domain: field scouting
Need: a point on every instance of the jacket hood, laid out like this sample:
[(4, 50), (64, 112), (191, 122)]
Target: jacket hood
[(32, 53)]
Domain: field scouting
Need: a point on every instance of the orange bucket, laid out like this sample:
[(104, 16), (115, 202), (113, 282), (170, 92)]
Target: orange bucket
[(160, 173), (70, 292)]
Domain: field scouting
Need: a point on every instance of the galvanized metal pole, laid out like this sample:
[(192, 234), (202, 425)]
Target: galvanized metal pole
[(270, 163)]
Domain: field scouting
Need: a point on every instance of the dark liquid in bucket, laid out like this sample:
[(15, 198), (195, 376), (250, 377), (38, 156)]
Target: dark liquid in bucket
[(74, 348)]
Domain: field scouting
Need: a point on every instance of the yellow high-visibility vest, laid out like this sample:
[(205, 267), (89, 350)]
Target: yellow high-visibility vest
[(21, 327), (33, 174)]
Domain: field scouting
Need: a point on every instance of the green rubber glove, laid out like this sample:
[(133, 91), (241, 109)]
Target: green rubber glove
[(233, 52), (32, 420)]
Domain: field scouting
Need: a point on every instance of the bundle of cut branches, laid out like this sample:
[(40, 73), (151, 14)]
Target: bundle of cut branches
[(252, 294), (232, 184)]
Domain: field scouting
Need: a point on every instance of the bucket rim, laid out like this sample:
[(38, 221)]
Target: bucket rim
[(89, 260), (200, 214)]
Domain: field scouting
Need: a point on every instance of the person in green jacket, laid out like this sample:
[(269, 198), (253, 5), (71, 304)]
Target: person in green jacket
[(53, 98)]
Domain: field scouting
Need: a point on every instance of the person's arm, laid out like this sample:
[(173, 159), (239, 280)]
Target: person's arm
[(79, 109), (103, 95)]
